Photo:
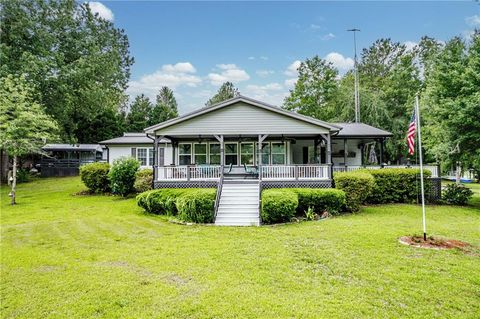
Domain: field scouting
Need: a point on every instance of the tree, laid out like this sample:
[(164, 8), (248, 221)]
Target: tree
[(77, 62), (140, 114), (225, 92), (24, 126), (165, 107), (452, 104), (315, 89)]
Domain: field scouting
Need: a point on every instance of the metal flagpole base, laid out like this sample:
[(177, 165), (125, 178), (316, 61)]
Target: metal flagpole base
[(424, 236)]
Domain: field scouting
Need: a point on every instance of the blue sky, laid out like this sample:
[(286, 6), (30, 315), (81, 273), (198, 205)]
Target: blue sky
[(193, 47)]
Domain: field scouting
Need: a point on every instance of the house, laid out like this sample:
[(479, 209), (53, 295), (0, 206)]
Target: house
[(65, 159), (139, 146), (242, 145)]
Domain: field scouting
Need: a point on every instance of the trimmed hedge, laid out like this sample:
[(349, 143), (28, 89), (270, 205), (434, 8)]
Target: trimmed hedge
[(320, 200), (357, 185), (397, 185), (188, 204), (143, 180), (95, 177), (278, 205), (197, 206)]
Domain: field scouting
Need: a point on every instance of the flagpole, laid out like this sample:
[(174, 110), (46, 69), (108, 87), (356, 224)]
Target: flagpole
[(417, 110)]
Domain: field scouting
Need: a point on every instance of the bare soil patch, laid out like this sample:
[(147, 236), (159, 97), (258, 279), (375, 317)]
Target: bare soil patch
[(434, 243)]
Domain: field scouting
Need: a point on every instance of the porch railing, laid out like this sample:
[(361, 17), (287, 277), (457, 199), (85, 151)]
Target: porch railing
[(295, 172), (187, 173), (349, 168)]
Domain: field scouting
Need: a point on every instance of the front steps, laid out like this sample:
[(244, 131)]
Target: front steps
[(238, 205)]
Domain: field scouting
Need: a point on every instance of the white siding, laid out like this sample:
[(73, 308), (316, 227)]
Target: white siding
[(241, 118), (117, 151)]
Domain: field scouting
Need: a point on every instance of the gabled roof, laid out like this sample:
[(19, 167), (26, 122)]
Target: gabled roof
[(247, 100), (132, 138), (73, 147), (360, 130)]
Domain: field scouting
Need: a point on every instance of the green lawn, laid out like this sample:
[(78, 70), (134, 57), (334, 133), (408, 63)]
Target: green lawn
[(66, 256)]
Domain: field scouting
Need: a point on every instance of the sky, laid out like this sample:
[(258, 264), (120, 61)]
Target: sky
[(193, 47)]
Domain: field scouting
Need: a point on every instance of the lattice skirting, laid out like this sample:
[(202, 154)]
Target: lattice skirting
[(296, 184), (186, 184), (435, 193)]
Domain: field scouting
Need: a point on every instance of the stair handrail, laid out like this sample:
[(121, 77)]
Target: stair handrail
[(260, 202), (219, 193)]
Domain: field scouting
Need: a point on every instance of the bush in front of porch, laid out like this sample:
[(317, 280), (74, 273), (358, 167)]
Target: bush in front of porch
[(187, 204), (281, 205), (357, 185)]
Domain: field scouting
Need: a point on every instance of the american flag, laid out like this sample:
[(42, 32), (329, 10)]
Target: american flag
[(412, 128)]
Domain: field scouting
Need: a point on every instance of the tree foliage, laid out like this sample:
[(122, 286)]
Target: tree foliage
[(140, 114), (315, 90), (452, 102), (225, 92), (165, 108), (77, 62)]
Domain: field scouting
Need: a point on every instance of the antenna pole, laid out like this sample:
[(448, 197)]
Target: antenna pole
[(357, 86)]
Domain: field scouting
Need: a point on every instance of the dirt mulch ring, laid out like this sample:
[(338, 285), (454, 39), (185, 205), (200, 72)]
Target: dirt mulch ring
[(436, 243)]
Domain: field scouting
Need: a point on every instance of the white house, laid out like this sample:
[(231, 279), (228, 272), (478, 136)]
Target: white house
[(139, 146)]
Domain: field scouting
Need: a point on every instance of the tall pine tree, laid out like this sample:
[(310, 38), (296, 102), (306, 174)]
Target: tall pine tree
[(165, 107), (225, 92)]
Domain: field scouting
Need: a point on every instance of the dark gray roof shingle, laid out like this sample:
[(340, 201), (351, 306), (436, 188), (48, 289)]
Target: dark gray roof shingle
[(73, 147), (132, 138), (360, 130)]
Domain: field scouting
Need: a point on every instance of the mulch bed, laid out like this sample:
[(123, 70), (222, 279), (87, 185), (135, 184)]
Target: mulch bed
[(433, 243)]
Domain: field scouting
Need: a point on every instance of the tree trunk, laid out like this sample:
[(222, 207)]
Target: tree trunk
[(457, 173), (14, 182)]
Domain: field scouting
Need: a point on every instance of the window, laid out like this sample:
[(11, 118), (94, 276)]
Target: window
[(150, 156), (278, 153), (185, 154), (142, 156), (231, 153), (214, 153), (266, 153), (200, 151), (246, 153)]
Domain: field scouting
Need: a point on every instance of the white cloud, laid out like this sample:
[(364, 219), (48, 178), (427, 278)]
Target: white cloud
[(173, 76), (265, 58), (410, 45), (290, 83), (228, 72), (339, 61), (264, 73), (292, 69), (180, 67), (273, 93), (328, 36), (473, 21), (315, 26), (251, 58), (102, 10)]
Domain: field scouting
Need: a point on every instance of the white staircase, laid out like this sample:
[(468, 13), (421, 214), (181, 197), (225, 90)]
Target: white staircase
[(238, 205)]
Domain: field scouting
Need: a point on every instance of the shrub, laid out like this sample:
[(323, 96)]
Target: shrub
[(143, 180), (357, 186), (397, 185), (197, 206), (456, 194), (95, 177), (23, 175), (320, 200), (161, 201), (278, 205), (122, 175)]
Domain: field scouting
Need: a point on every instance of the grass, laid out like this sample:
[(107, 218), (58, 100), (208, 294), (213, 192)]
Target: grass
[(66, 256)]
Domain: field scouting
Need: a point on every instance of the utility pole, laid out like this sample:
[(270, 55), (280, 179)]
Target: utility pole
[(357, 93)]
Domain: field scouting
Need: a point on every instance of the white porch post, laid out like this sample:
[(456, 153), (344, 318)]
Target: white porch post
[(220, 139), (345, 152), (261, 138)]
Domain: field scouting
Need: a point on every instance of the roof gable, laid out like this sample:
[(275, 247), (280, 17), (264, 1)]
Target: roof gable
[(241, 115)]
